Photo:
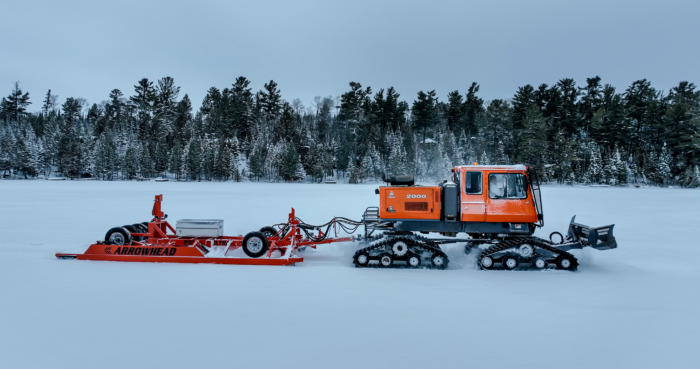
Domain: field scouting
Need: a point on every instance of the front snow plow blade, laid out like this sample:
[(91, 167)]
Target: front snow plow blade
[(600, 238)]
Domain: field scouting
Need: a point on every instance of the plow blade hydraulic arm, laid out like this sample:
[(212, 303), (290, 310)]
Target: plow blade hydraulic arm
[(600, 238)]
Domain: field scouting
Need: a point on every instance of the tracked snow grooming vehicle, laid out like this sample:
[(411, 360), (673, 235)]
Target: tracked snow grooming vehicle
[(498, 207)]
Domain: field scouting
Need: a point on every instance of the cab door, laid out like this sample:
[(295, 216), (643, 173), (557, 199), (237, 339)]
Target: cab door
[(473, 207), (509, 199)]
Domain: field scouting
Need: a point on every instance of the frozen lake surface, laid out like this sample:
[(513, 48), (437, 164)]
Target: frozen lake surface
[(634, 307)]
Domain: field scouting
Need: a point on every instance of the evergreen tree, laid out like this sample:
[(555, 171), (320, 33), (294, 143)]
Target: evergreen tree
[(130, 163), (595, 168), (290, 165), (424, 112), (106, 160), (484, 160), (223, 161), (25, 162), (314, 162), (15, 105), (176, 161), (695, 182), (270, 101), (208, 159), (256, 163), (194, 158), (70, 161), (533, 139), (563, 154), (621, 165), (473, 109), (663, 166), (497, 127), (49, 103), (6, 153), (161, 156), (455, 114)]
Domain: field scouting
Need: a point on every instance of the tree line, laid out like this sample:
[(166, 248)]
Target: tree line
[(591, 133)]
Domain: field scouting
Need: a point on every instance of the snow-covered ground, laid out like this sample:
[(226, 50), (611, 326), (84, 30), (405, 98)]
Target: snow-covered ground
[(634, 307)]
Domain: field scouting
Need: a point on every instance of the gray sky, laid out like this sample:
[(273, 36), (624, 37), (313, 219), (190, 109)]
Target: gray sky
[(87, 48)]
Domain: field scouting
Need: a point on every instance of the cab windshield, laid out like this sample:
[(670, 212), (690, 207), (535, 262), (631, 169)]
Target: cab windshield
[(507, 186)]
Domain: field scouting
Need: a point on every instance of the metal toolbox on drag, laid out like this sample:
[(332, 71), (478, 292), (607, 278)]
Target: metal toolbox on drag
[(200, 227)]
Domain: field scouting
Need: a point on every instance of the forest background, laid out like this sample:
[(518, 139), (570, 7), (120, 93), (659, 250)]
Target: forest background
[(587, 134)]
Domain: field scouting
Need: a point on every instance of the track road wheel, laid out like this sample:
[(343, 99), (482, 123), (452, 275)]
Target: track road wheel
[(399, 248), (565, 263), (486, 262), (268, 231), (385, 260), (413, 260), (510, 262), (539, 263), (361, 259), (118, 236), (439, 261), (255, 244)]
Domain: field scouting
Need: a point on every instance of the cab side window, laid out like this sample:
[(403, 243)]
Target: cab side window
[(507, 186), (472, 183)]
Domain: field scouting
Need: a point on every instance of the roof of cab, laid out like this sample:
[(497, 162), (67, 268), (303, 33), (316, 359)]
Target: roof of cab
[(520, 167)]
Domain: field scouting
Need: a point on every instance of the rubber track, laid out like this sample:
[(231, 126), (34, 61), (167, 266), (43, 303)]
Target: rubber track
[(534, 241), (386, 241)]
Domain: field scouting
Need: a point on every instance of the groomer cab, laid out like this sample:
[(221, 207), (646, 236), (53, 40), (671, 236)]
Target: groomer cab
[(498, 193)]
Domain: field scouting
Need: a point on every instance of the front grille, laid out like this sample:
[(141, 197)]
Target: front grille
[(416, 206)]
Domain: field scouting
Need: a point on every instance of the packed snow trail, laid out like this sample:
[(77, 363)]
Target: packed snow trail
[(635, 306)]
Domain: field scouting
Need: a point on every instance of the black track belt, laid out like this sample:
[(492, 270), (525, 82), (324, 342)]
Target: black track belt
[(536, 243), (385, 243)]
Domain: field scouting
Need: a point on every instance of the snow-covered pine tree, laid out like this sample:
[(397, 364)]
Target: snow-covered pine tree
[(663, 166), (161, 156), (621, 165), (235, 172), (176, 160), (595, 167), (484, 160), (610, 171), (23, 159), (377, 168), (299, 173), (561, 157), (533, 139), (367, 168), (69, 150), (194, 158), (208, 159), (695, 182), (256, 162), (313, 163), (6, 153), (350, 168), (396, 163), (449, 148), (461, 151), (289, 166), (105, 158), (222, 168), (130, 162)]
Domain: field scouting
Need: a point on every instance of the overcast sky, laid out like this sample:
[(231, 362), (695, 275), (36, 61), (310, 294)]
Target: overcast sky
[(87, 48)]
